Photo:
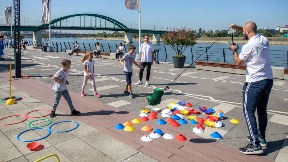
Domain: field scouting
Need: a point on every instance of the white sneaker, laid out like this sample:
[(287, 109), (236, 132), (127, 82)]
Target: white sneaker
[(139, 83), (147, 84)]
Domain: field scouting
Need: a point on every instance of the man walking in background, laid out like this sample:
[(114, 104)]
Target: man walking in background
[(146, 59)]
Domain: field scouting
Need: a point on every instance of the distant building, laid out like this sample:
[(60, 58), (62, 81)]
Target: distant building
[(282, 29)]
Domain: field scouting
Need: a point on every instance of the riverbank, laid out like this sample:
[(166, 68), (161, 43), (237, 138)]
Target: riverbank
[(224, 40)]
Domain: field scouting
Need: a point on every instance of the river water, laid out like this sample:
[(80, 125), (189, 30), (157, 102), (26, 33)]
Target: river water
[(218, 52)]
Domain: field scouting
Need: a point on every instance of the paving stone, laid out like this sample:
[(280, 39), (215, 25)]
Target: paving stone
[(47, 151), (282, 154), (280, 119), (109, 146), (78, 150), (7, 145), (119, 103), (26, 136)]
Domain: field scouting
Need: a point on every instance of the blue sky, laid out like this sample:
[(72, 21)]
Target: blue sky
[(205, 14)]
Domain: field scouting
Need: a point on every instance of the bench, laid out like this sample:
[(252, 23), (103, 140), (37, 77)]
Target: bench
[(107, 55), (278, 72)]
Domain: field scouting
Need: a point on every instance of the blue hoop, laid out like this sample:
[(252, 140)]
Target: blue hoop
[(62, 131), (48, 134)]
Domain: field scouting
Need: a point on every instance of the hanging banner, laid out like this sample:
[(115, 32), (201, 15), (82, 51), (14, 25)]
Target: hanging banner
[(132, 4), (8, 15), (46, 11)]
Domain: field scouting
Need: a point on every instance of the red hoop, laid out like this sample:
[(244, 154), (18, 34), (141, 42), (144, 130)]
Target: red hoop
[(27, 115), (25, 118)]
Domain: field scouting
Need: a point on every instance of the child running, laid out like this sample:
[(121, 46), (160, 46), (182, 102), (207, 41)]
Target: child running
[(129, 59), (88, 63), (60, 87)]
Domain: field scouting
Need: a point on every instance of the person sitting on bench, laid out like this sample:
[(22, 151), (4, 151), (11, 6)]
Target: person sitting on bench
[(119, 51), (76, 49), (97, 51)]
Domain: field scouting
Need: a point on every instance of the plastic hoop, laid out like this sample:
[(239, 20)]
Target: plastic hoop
[(27, 115), (25, 118), (38, 139), (48, 120), (62, 131)]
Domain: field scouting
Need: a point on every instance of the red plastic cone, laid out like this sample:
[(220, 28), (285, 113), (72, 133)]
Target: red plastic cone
[(180, 137), (144, 119)]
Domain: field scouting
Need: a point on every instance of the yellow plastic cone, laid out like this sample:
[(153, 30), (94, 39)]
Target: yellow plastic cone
[(235, 121), (136, 121), (145, 111), (129, 129), (191, 117)]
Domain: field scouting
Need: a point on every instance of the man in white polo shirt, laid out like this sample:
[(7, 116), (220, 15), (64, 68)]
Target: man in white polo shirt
[(146, 58), (259, 81)]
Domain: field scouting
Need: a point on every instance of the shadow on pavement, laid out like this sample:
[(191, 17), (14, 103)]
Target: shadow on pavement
[(273, 146), (202, 140), (101, 112)]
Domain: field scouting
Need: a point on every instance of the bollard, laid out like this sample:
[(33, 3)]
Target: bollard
[(90, 47), (165, 53), (109, 47), (84, 47), (191, 49), (206, 51), (224, 55), (156, 59), (56, 47)]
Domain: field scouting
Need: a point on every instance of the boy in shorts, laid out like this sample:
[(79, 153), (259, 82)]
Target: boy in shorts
[(128, 60)]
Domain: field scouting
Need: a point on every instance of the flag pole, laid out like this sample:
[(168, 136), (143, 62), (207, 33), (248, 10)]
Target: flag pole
[(140, 10), (49, 25), (11, 22)]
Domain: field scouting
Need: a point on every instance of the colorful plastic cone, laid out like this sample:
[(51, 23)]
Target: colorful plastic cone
[(176, 112), (193, 111), (181, 108), (188, 104), (166, 111), (193, 121), (183, 121), (200, 121), (119, 126), (33, 146), (168, 136), (180, 116), (165, 115), (235, 121), (180, 137), (170, 120), (175, 117), (143, 115), (129, 129), (184, 112), (159, 131), (144, 119), (209, 111), (155, 109), (198, 130), (128, 123), (209, 123), (155, 135), (154, 113), (136, 121), (191, 117), (161, 122), (175, 124), (146, 128), (151, 116), (146, 138), (182, 103), (220, 115), (218, 124), (145, 111), (216, 135)]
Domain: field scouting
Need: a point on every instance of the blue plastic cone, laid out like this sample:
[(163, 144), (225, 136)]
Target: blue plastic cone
[(175, 117), (182, 103), (193, 121), (119, 126), (159, 131), (161, 122), (183, 121), (216, 135)]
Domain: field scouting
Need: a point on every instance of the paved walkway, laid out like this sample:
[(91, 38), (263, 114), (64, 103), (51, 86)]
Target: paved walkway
[(210, 89)]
